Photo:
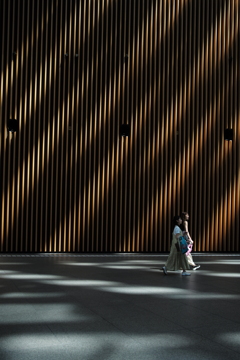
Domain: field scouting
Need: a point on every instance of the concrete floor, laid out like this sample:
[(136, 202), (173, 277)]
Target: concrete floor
[(118, 307)]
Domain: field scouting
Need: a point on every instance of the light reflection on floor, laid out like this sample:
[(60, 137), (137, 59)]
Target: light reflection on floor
[(29, 295), (231, 338), (116, 308), (138, 343)]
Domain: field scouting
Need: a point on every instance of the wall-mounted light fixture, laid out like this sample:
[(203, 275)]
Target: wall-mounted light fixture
[(12, 125), (228, 134), (14, 55), (124, 130), (126, 57)]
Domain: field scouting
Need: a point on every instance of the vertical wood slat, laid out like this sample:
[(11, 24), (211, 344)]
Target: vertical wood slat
[(69, 182), (236, 122), (2, 144), (8, 149)]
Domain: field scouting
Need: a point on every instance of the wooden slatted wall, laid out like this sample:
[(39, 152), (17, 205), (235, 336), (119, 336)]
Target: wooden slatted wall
[(73, 71)]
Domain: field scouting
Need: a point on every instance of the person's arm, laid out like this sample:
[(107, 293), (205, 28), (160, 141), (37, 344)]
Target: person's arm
[(177, 232), (187, 232)]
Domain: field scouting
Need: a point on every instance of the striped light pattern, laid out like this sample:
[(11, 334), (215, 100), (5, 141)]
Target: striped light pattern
[(73, 71)]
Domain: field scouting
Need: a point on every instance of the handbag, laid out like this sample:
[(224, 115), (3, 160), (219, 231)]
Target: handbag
[(190, 244), (189, 249), (183, 245)]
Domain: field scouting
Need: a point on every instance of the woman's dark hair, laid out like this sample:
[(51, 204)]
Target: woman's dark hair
[(183, 215), (175, 219)]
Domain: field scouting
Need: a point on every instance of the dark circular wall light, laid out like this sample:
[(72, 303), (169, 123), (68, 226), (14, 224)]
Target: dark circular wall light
[(124, 130), (228, 134), (12, 125)]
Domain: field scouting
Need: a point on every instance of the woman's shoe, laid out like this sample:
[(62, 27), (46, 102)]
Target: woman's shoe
[(164, 270), (184, 273), (196, 267)]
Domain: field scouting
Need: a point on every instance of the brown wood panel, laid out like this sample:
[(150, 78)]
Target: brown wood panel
[(71, 73)]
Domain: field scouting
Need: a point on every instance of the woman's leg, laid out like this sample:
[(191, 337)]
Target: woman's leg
[(190, 260), (184, 273), (164, 269)]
